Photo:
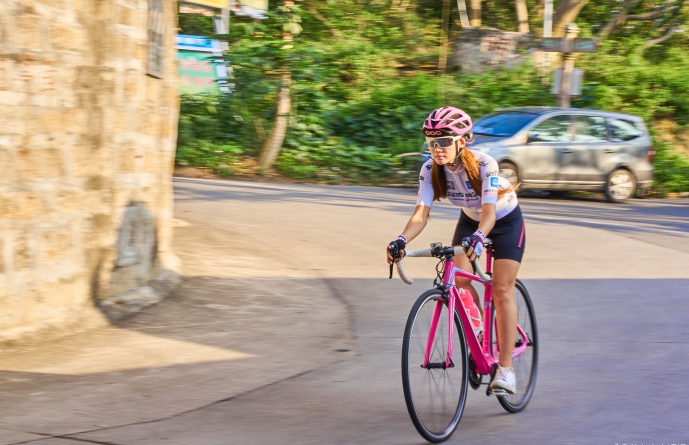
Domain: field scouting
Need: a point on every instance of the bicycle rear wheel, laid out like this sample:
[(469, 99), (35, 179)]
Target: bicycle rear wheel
[(435, 395), (526, 363)]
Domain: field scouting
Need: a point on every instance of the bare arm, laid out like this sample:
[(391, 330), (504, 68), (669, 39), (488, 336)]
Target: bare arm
[(414, 227), (485, 225), (487, 218), (416, 223)]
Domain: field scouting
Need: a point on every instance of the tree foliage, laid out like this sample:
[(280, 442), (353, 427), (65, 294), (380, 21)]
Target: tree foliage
[(364, 76)]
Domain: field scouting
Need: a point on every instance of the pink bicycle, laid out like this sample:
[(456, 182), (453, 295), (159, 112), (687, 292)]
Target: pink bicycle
[(436, 366)]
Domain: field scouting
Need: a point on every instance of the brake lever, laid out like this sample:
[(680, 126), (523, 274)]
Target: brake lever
[(394, 252), (465, 246)]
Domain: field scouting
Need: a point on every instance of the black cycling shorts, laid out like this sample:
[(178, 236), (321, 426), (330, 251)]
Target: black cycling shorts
[(508, 235)]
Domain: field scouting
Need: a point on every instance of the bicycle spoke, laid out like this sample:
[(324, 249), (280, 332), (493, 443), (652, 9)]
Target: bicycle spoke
[(435, 395), (525, 356)]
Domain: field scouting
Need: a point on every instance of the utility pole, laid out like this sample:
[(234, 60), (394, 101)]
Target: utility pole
[(547, 31), (568, 57), (463, 16)]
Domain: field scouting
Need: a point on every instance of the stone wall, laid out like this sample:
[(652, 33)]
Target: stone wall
[(87, 143)]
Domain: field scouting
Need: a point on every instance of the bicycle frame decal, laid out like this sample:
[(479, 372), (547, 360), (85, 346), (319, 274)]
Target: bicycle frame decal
[(480, 351)]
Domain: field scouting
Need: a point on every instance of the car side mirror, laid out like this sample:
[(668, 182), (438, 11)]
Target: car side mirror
[(532, 138)]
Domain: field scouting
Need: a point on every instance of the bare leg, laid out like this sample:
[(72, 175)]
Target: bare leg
[(504, 278)]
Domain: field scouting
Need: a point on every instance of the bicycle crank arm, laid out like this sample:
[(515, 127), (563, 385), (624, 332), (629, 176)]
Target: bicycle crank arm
[(442, 365)]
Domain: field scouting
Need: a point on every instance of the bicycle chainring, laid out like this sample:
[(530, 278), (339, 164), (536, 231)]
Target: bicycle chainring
[(475, 380)]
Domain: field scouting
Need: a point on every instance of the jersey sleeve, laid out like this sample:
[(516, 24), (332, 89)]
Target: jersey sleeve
[(491, 181), (425, 196)]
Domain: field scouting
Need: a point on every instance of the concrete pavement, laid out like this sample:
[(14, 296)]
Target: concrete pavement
[(274, 275), (232, 327)]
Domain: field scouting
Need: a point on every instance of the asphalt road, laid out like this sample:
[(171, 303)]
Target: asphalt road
[(609, 283)]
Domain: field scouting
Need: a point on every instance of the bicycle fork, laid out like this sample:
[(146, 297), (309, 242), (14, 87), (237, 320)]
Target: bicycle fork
[(448, 363)]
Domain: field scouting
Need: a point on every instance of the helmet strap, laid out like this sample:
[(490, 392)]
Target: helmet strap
[(454, 162)]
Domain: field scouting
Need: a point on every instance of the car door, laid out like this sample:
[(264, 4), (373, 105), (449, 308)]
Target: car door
[(591, 151), (548, 144)]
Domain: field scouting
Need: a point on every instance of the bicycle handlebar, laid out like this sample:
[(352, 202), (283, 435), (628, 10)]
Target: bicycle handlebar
[(427, 253)]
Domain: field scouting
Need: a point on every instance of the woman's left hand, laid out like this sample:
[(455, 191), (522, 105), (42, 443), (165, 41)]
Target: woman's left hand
[(474, 245)]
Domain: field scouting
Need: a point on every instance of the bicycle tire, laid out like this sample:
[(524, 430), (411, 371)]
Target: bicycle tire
[(526, 365), (435, 397)]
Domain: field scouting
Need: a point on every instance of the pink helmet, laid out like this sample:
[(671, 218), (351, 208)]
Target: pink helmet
[(447, 121)]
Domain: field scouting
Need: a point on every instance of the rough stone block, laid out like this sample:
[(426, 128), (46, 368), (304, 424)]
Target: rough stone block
[(22, 205), (70, 201), (13, 119), (59, 120), (27, 33), (57, 4), (2, 256), (152, 160), (126, 158), (116, 120), (7, 169), (95, 80), (132, 84), (40, 163), (69, 37), (6, 72), (127, 16), (54, 245), (89, 161), (22, 253)]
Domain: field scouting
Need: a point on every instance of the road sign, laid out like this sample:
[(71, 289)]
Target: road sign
[(583, 45), (200, 65), (557, 45), (551, 44), (575, 81)]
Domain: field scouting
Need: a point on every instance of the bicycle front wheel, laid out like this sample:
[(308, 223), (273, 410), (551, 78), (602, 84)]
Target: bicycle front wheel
[(525, 355), (435, 394)]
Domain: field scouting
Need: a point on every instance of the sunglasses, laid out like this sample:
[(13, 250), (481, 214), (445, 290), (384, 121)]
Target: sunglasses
[(442, 142)]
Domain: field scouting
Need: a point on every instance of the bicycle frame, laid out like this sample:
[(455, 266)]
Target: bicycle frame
[(484, 358)]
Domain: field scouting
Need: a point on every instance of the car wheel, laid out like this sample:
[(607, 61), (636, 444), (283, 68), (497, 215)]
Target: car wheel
[(509, 171), (620, 186)]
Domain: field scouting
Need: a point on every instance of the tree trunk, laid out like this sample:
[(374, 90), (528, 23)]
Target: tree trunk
[(566, 12), (522, 15), (475, 13), (444, 27), (272, 145), (617, 20)]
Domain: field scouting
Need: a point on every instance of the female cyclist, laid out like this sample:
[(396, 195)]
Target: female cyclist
[(470, 180)]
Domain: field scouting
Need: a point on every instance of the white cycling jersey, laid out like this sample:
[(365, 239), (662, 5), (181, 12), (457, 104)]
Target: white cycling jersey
[(459, 190)]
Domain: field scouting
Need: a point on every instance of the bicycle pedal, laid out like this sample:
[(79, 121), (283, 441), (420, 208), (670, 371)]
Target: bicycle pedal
[(500, 393)]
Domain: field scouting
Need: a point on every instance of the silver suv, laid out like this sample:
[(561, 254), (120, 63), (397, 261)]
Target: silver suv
[(560, 149)]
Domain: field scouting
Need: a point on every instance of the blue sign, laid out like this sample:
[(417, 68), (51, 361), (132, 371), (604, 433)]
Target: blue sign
[(196, 43)]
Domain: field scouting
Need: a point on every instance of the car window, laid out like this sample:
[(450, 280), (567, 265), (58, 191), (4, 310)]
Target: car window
[(554, 129), (502, 124), (622, 130), (590, 129)]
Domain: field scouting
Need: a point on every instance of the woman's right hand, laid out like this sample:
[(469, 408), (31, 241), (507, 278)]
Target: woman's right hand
[(395, 250)]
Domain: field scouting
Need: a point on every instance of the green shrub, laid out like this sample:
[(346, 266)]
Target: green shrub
[(220, 158), (671, 170)]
